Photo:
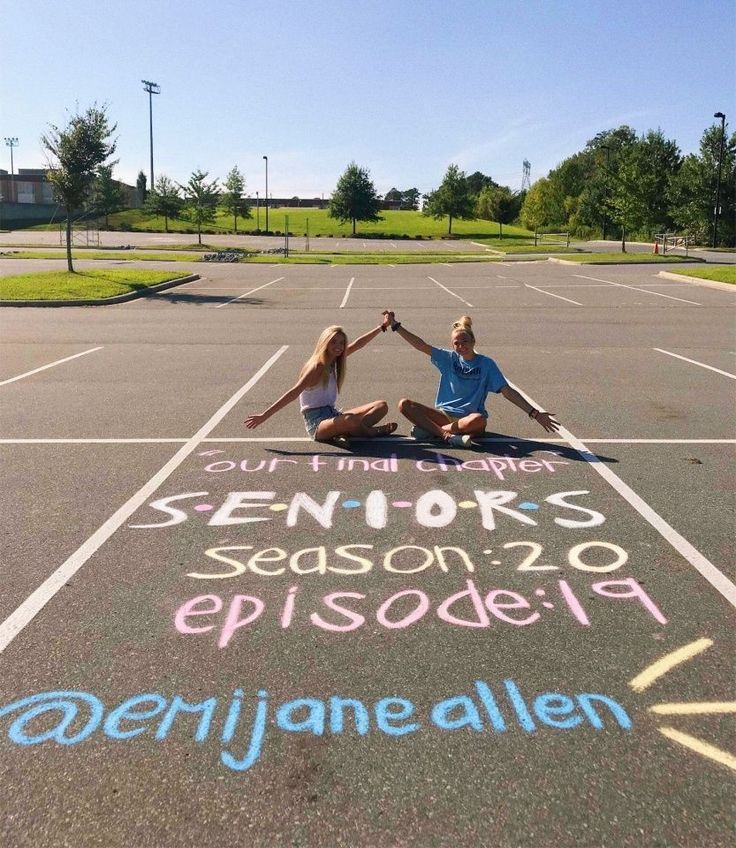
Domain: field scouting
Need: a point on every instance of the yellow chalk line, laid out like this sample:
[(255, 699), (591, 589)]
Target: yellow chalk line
[(704, 708), (659, 668), (700, 747)]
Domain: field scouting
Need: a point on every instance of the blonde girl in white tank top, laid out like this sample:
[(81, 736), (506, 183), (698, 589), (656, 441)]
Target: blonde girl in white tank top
[(317, 388)]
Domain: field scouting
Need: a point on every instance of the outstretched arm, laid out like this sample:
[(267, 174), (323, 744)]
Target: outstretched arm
[(546, 419), (363, 340), (308, 380), (413, 339)]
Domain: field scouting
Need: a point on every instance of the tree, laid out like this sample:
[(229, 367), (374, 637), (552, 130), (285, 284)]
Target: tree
[(393, 196), (543, 206), (410, 199), (78, 151), (200, 199), (498, 203), (107, 194), (452, 198), (232, 198), (140, 184), (164, 200), (355, 198), (477, 181)]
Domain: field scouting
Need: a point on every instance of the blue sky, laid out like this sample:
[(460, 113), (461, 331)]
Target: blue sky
[(402, 87)]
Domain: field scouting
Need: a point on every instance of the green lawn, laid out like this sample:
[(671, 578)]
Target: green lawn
[(719, 273), (117, 255), (394, 224), (83, 285), (623, 258)]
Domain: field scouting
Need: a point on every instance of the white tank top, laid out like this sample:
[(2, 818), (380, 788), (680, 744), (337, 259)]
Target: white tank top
[(319, 395)]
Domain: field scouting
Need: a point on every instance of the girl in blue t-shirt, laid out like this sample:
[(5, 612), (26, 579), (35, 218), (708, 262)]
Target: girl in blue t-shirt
[(466, 377), (319, 382)]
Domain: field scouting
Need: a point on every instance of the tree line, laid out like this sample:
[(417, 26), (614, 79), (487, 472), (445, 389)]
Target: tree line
[(620, 184)]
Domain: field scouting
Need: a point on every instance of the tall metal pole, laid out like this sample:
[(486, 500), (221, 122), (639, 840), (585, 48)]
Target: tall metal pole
[(258, 214), (718, 180), (152, 88), (11, 143), (266, 158), (605, 199)]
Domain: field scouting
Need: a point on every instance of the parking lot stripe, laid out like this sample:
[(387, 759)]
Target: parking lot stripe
[(347, 292), (38, 599), (502, 440), (695, 362), (717, 579), (634, 288), (542, 291), (50, 365), (245, 294), (449, 292)]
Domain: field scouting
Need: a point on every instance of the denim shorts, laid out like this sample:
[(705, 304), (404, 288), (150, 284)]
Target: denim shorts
[(312, 417)]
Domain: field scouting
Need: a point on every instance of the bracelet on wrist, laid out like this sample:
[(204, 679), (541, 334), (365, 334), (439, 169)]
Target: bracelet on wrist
[(395, 326), (533, 413)]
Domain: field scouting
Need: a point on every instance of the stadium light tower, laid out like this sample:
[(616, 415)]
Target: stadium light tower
[(152, 88), (266, 201), (718, 180), (11, 143)]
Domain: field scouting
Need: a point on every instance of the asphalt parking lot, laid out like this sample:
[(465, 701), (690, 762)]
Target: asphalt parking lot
[(209, 633)]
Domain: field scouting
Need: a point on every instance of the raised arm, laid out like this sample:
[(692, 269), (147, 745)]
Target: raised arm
[(363, 340), (546, 419), (413, 339), (305, 382)]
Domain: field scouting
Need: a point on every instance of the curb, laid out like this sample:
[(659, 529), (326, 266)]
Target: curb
[(594, 262), (711, 284), (118, 298)]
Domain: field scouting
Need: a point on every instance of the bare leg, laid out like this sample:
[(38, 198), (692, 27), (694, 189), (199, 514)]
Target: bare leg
[(435, 421), (359, 421)]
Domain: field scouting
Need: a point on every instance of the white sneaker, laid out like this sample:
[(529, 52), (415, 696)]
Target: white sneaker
[(457, 440)]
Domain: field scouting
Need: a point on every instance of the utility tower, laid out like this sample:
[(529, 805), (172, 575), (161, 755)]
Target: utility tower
[(526, 183)]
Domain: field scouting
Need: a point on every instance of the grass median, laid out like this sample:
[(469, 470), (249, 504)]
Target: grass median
[(625, 259), (719, 273), (82, 285)]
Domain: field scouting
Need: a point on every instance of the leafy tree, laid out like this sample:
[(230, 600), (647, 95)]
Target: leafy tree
[(410, 199), (164, 200), (355, 198), (78, 151), (140, 184), (693, 190), (544, 206), (200, 199), (498, 203), (393, 196), (107, 194), (477, 181), (232, 198), (452, 198)]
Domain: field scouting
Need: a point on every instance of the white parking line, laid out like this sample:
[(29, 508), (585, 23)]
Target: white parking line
[(246, 439), (449, 292), (695, 362), (717, 579), (245, 294), (347, 293), (542, 291), (50, 365), (634, 288), (38, 599)]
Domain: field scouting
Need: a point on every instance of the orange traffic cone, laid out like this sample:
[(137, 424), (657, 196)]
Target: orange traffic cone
[(656, 247)]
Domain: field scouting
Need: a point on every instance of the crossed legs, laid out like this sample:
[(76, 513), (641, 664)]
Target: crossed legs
[(359, 421), (436, 422)]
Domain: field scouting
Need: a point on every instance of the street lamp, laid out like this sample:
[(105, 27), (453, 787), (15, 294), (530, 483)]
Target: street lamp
[(266, 158), (605, 199), (718, 181), (258, 214), (11, 143), (152, 88)]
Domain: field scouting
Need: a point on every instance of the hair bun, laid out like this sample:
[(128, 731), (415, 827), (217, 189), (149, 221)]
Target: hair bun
[(463, 322)]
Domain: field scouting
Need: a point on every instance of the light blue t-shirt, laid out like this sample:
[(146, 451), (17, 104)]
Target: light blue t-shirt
[(464, 385)]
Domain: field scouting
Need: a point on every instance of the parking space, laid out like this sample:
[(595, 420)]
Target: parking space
[(293, 627)]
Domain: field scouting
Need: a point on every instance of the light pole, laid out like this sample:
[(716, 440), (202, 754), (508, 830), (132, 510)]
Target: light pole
[(258, 213), (718, 180), (266, 158), (11, 143), (605, 199), (152, 88)]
